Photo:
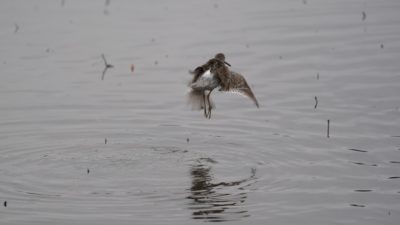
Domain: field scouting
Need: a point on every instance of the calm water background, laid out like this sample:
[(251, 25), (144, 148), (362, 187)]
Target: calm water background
[(75, 149)]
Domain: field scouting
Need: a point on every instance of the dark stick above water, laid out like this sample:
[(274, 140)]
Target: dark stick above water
[(357, 205), (16, 28), (106, 66), (327, 130), (357, 150), (316, 102)]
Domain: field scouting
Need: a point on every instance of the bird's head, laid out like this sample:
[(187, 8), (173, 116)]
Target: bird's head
[(221, 57)]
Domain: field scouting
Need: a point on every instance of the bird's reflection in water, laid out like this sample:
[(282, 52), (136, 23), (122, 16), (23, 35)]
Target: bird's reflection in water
[(217, 201)]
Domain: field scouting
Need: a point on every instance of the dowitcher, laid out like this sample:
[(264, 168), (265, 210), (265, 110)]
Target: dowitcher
[(215, 73)]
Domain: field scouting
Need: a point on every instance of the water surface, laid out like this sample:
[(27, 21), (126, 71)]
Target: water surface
[(76, 149)]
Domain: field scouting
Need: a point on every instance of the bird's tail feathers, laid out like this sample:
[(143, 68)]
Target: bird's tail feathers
[(196, 100)]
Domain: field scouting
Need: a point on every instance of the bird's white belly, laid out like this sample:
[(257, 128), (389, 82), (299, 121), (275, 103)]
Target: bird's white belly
[(207, 74), (207, 81)]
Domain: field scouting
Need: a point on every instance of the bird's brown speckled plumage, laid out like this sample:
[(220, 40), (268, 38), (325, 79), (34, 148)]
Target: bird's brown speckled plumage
[(237, 83)]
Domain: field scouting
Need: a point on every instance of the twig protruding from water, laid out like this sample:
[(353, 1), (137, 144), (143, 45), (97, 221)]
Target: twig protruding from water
[(327, 130), (357, 150), (316, 102), (357, 205), (16, 28), (106, 66)]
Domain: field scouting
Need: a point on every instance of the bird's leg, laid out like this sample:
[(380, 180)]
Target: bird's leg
[(209, 104), (205, 105)]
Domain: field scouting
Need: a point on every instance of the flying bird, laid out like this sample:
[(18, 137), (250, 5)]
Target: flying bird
[(215, 73)]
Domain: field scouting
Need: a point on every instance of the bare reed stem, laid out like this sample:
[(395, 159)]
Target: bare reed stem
[(327, 130)]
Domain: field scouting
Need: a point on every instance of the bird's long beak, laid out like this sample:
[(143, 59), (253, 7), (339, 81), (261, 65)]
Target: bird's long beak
[(227, 63)]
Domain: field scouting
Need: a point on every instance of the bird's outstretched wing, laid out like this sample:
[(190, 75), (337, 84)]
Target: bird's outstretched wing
[(239, 85)]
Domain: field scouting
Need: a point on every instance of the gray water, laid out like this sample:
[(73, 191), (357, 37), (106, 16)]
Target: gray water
[(76, 149)]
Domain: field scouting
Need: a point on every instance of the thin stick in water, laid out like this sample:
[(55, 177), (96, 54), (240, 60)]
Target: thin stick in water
[(106, 66), (16, 28), (316, 102), (327, 130)]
